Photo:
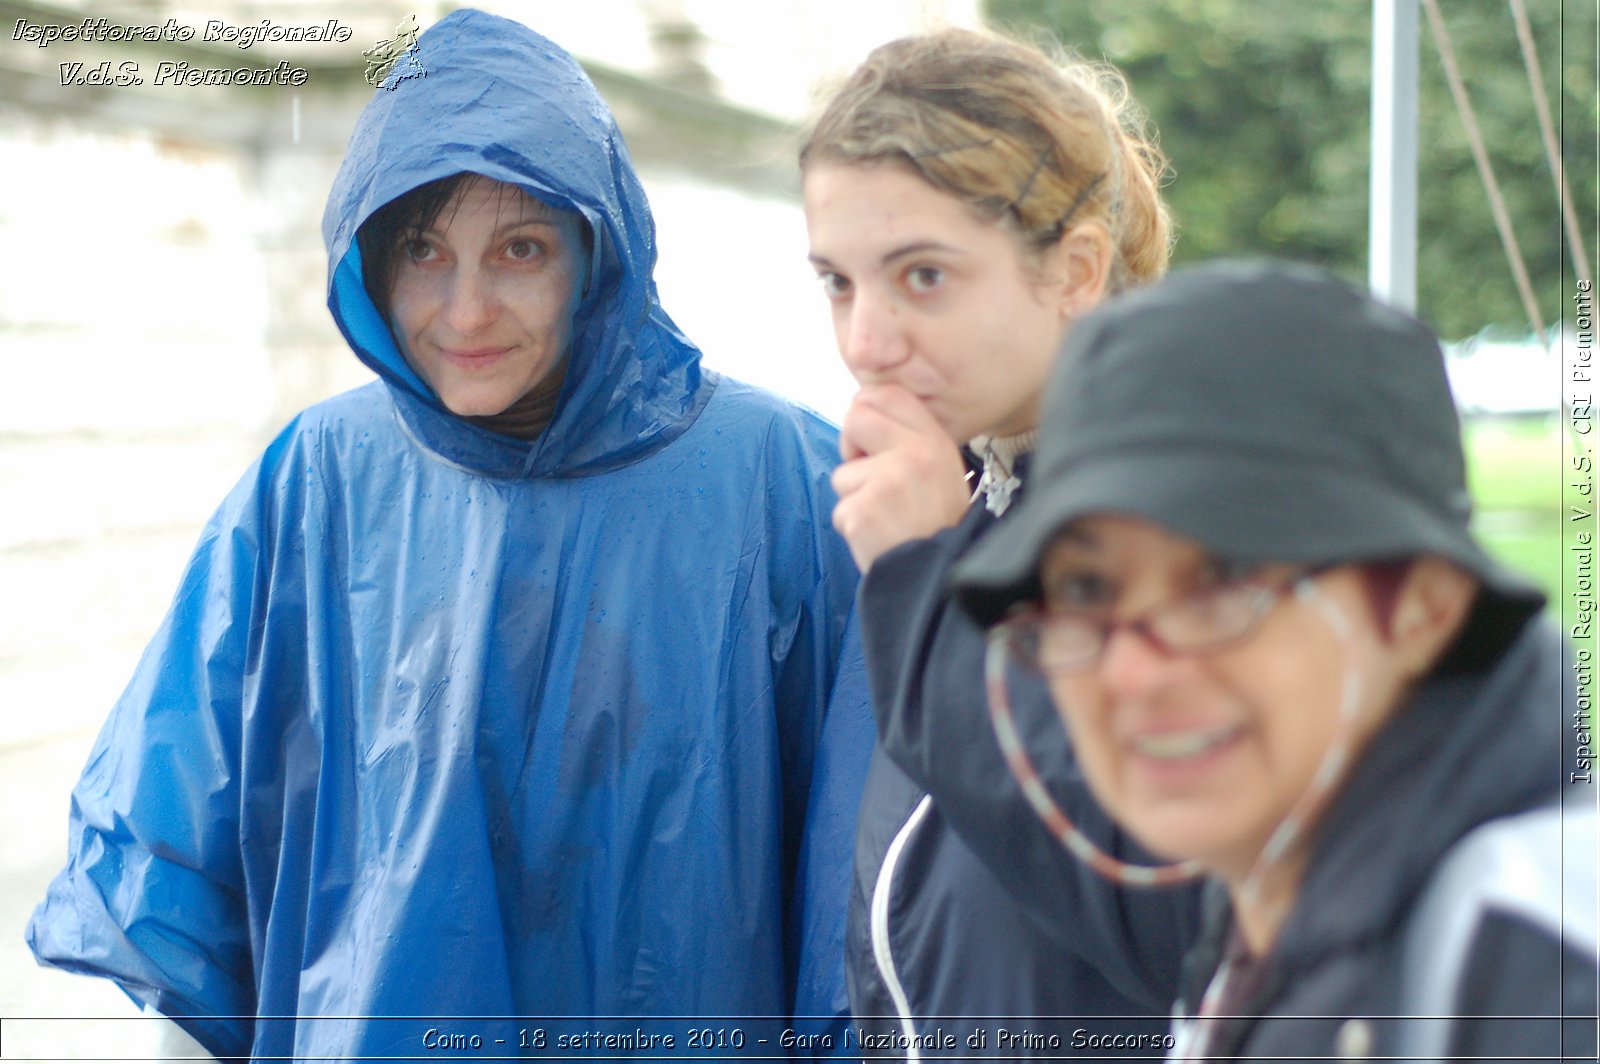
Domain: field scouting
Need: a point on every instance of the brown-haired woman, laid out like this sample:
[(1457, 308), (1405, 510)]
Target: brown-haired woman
[(967, 198)]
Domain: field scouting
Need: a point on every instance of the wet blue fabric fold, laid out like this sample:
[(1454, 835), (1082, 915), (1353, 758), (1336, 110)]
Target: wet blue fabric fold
[(450, 735)]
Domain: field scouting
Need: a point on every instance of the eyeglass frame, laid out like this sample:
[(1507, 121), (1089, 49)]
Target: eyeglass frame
[(998, 650), (1029, 616)]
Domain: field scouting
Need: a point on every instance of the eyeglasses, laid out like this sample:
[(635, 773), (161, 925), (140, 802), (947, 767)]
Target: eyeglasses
[(1051, 643)]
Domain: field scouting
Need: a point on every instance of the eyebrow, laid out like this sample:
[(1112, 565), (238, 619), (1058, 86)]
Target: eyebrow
[(1075, 536), (917, 247), (501, 229), (535, 219), (1080, 548)]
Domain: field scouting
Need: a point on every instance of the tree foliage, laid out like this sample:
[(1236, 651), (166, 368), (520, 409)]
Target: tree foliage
[(1263, 108)]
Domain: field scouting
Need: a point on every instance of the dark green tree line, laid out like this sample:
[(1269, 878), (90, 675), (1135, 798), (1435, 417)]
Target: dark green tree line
[(1263, 109)]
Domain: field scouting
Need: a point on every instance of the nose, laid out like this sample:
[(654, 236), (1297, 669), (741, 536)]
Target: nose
[(1132, 665), (470, 302), (871, 338)]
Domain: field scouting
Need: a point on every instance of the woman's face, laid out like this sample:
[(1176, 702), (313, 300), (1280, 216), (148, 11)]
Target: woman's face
[(483, 299), (928, 296), (1202, 754)]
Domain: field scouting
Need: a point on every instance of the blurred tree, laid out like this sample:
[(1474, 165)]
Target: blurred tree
[(1263, 109)]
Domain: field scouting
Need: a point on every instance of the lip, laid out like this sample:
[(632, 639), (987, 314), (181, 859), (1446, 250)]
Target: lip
[(472, 357), (1181, 756)]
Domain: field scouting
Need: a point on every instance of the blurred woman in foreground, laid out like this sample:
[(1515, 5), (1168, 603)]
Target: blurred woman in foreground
[(1246, 574)]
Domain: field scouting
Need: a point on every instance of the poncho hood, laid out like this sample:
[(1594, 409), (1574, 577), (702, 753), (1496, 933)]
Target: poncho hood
[(489, 96)]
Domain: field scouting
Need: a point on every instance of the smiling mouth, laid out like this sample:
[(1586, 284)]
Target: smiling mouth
[(1182, 745), (474, 355)]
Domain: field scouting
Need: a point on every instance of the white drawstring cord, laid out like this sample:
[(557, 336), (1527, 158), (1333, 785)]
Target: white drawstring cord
[(1193, 1035)]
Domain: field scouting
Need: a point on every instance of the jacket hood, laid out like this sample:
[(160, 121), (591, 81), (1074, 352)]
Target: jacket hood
[(1470, 746), (1475, 743), (489, 96)]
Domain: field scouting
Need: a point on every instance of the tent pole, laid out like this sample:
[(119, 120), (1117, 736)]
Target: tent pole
[(1392, 197)]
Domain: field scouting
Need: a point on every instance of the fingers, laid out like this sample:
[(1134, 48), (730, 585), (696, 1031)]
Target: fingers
[(882, 417), (850, 476), (931, 468), (898, 404), (873, 523), (905, 492), (853, 522)]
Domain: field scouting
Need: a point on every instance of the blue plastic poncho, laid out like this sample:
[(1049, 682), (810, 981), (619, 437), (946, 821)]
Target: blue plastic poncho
[(442, 724)]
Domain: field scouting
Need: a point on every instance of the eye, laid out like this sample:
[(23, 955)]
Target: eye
[(1214, 572), (834, 286), (523, 250), (417, 249), (1081, 591), (1221, 589), (922, 279)]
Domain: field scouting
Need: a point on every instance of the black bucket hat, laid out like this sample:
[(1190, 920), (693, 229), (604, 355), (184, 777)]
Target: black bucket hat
[(1267, 410)]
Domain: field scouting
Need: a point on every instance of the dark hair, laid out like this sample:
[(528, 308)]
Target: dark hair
[(403, 218)]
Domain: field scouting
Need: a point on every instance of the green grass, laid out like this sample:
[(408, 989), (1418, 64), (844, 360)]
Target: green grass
[(1522, 486), (1516, 471)]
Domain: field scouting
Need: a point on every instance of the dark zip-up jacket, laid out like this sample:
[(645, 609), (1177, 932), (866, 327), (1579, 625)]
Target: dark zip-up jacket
[(1470, 747), (933, 934)]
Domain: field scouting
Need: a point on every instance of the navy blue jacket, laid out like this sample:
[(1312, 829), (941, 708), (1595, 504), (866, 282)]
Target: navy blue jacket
[(963, 904), (1348, 975)]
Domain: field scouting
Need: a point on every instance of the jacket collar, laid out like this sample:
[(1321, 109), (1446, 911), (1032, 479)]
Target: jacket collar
[(1470, 745)]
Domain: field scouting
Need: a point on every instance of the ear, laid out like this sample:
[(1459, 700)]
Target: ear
[(1429, 611), (1083, 265)]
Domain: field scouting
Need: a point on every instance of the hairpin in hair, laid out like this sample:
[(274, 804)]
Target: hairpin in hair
[(1027, 186), (955, 147), (1078, 201)]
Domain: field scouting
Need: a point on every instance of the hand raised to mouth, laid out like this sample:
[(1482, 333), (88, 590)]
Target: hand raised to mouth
[(902, 478)]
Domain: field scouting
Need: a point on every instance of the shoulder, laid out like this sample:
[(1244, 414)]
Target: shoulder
[(1508, 927), (364, 413), (358, 409), (1533, 866), (747, 412), (314, 444)]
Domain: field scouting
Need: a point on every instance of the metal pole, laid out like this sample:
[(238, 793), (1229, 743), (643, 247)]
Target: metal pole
[(1392, 219)]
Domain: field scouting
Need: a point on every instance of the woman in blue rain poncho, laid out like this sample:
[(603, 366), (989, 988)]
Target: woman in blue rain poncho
[(509, 685)]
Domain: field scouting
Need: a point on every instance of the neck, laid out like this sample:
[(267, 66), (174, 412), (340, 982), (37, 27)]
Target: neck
[(1263, 898), (530, 415), (1005, 448), (999, 480)]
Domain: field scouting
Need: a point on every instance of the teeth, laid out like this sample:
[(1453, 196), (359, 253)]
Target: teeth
[(1175, 745)]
